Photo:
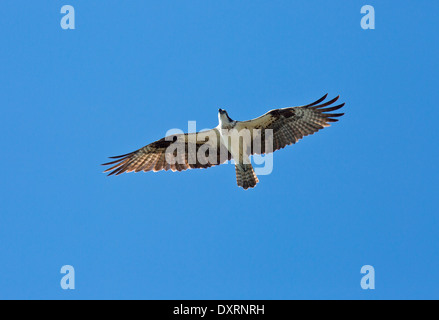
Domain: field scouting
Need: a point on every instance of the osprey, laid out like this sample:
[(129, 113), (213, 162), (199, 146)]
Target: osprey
[(270, 132)]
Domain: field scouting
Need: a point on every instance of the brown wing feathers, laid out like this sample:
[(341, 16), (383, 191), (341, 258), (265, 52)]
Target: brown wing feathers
[(153, 158), (289, 125)]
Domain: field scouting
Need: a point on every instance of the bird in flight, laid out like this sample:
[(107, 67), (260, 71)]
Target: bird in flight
[(231, 139)]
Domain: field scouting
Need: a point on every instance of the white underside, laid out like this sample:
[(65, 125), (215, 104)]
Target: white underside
[(230, 138)]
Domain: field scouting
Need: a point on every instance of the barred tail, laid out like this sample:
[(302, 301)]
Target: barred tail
[(245, 176)]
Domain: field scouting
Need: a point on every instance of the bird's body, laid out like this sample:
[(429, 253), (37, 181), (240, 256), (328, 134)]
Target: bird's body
[(231, 139), (229, 131)]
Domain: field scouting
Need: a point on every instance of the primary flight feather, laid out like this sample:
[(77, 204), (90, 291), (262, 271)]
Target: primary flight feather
[(270, 132)]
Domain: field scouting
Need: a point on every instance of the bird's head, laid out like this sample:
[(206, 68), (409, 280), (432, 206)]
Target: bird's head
[(223, 116)]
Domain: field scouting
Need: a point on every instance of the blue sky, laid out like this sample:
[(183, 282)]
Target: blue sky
[(362, 192)]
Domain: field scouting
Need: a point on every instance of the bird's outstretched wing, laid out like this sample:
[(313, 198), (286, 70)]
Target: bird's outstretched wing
[(289, 125), (177, 153)]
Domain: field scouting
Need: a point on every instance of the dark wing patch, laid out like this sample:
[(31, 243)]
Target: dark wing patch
[(289, 125), (184, 148)]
